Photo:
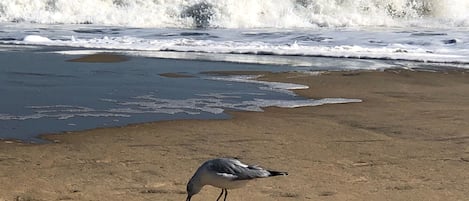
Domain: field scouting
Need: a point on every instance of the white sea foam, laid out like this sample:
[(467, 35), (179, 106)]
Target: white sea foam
[(415, 30), (171, 106), (412, 30), (59, 116), (20, 117), (36, 39), (262, 103), (387, 46), (149, 104), (152, 104), (264, 85), (239, 13)]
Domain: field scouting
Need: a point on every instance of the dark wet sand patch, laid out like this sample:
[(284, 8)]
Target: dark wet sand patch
[(176, 75), (101, 58)]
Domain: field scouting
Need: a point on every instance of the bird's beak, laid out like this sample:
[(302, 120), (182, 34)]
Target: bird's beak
[(188, 198)]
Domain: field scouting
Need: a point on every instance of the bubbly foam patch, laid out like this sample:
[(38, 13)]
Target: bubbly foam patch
[(264, 85), (213, 103), (149, 104)]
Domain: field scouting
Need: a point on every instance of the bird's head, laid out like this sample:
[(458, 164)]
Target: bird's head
[(193, 187)]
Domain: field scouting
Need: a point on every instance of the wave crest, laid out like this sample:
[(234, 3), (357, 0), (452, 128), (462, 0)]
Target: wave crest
[(239, 13)]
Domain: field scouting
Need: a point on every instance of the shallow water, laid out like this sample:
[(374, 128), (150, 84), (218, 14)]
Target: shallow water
[(44, 93)]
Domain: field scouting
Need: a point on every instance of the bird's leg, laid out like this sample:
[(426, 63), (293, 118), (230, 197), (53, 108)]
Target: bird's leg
[(226, 193), (222, 190)]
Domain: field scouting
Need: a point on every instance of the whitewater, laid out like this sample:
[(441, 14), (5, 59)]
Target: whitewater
[(411, 30), (239, 13)]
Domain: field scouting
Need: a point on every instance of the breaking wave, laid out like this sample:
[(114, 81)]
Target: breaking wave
[(240, 13)]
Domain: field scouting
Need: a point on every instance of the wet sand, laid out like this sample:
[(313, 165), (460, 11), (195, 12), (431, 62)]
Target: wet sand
[(176, 75), (407, 140), (101, 58)]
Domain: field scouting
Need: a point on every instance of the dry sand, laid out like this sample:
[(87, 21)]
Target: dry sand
[(408, 140)]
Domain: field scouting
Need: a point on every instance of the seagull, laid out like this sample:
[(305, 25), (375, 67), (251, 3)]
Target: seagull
[(226, 173)]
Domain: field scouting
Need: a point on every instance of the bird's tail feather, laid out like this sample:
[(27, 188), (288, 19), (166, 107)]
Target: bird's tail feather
[(277, 173)]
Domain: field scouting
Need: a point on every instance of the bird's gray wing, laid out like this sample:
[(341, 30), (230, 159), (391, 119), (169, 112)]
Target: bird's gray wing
[(235, 170)]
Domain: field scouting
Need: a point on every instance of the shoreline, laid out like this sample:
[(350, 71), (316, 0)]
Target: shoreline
[(406, 141)]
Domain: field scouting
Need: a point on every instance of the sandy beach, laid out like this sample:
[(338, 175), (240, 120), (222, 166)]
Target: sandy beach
[(407, 140)]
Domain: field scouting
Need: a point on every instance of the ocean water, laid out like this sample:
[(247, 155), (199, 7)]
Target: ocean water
[(42, 92)]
